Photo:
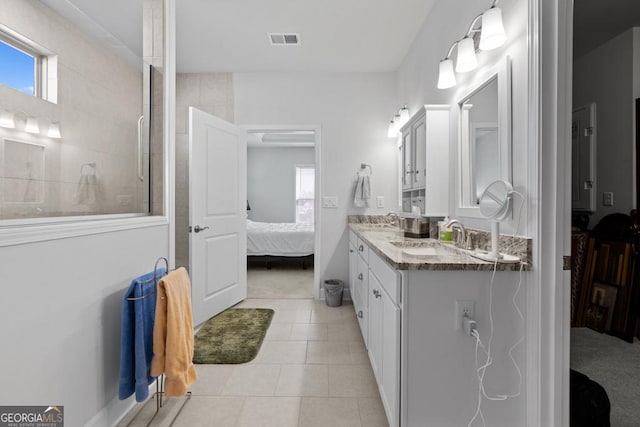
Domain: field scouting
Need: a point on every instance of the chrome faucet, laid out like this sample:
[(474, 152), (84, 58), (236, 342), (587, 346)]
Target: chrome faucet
[(393, 218), (461, 241)]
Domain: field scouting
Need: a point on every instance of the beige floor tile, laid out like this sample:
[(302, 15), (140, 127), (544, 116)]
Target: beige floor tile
[(270, 412), (201, 411), (329, 412), (282, 352), (291, 316), (372, 412), (352, 381), (303, 380), (344, 332), (211, 379), (296, 304), (342, 314), (309, 331), (258, 303), (252, 380), (280, 282), (358, 353), (278, 332), (326, 352)]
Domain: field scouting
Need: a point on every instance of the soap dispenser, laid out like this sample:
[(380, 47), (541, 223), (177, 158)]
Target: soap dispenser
[(445, 232)]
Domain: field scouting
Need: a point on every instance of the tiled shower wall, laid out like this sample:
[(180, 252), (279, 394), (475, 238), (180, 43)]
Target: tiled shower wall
[(209, 92), (98, 105)]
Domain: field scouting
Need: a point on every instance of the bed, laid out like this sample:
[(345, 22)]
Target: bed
[(268, 242)]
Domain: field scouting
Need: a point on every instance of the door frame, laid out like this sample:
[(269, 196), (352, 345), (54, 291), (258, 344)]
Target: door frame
[(550, 38), (317, 251)]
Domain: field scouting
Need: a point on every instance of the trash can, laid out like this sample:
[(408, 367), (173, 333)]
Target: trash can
[(333, 292)]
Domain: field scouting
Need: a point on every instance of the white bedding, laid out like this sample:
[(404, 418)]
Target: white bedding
[(279, 239)]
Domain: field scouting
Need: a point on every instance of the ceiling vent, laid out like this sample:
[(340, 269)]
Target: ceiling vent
[(284, 39)]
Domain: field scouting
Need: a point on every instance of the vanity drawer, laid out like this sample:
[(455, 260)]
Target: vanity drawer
[(353, 238), (389, 278), (363, 250)]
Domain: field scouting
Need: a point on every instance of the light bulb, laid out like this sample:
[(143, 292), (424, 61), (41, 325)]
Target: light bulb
[(391, 131), (54, 131), (446, 76), (404, 115), (492, 35), (466, 60), (6, 120), (32, 125)]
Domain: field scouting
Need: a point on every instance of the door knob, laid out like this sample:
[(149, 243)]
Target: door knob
[(198, 229)]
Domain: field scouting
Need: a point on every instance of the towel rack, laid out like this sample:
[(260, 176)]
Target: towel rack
[(159, 380), (364, 166), (155, 280)]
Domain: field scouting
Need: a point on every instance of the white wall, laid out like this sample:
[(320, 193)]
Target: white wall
[(271, 181), (606, 76), (353, 110), (61, 314), (416, 85)]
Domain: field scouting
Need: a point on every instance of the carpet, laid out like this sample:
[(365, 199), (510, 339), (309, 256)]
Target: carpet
[(614, 364), (233, 336)]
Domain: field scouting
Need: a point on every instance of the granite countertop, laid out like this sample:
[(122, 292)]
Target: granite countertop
[(389, 243)]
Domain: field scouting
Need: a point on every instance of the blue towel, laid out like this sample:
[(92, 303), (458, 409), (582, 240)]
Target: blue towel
[(136, 338)]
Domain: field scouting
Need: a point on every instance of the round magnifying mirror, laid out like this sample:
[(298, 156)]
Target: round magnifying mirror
[(495, 205), (495, 201)]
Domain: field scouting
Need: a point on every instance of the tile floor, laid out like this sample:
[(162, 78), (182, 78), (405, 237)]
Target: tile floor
[(312, 370)]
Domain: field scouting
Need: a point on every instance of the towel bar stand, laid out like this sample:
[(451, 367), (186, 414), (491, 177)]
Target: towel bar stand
[(159, 394)]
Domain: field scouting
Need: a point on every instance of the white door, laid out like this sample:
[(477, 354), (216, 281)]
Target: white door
[(217, 206)]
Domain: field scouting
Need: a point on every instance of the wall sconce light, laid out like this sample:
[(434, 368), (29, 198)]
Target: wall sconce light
[(492, 36), (392, 132), (6, 119), (54, 130), (399, 120), (32, 125)]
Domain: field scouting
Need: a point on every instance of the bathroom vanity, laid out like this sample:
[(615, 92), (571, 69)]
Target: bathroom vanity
[(404, 292)]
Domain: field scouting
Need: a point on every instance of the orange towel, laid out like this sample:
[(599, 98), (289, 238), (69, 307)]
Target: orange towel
[(173, 334)]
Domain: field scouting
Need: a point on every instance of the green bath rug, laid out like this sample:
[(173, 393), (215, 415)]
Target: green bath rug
[(233, 336)]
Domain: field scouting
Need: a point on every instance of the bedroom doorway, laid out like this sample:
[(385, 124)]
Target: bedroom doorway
[(282, 214)]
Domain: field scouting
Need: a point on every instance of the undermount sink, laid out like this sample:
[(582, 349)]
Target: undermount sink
[(429, 248)]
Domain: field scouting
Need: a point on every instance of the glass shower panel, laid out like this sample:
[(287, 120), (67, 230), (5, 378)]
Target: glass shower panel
[(90, 152)]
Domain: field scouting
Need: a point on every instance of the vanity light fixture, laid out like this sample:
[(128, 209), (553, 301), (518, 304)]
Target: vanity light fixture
[(54, 130), (399, 120), (392, 132), (6, 119), (32, 125), (492, 36)]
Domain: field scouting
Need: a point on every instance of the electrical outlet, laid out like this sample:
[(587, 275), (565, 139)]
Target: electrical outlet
[(464, 307), (329, 202), (380, 201), (607, 198)]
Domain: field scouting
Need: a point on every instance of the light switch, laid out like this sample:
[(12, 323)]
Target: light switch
[(607, 198), (330, 202), (380, 201)]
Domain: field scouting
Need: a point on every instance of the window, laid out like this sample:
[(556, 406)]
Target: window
[(19, 67), (305, 194)]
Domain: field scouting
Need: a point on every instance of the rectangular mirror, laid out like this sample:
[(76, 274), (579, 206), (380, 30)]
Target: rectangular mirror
[(484, 148)]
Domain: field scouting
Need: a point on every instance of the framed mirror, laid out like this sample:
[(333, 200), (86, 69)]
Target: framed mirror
[(484, 146)]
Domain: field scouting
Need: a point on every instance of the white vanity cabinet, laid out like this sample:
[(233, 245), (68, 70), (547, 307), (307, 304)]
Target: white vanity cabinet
[(425, 159), (376, 299), (359, 278)]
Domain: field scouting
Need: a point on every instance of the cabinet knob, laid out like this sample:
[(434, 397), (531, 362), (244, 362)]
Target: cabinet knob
[(376, 293), (360, 315), (350, 251), (361, 248), (360, 276)]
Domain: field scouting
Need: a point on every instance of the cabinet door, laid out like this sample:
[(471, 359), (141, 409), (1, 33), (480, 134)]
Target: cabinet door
[(390, 375), (419, 129), (375, 326), (353, 273), (407, 162), (362, 310)]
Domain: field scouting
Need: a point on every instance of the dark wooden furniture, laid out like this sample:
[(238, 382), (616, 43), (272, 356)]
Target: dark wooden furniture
[(608, 298)]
